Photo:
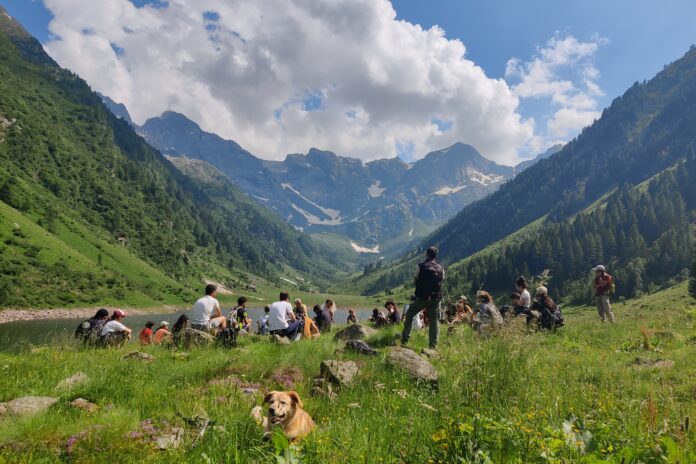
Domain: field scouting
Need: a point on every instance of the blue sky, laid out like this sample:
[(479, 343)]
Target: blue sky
[(603, 46)]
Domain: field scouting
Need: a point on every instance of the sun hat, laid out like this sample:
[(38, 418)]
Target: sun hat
[(164, 323), (542, 291), (120, 313), (599, 268)]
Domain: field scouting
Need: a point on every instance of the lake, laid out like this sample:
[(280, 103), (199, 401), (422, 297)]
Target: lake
[(19, 335)]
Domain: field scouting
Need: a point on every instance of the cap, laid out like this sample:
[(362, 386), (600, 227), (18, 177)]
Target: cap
[(120, 313), (164, 323), (599, 268), (542, 290)]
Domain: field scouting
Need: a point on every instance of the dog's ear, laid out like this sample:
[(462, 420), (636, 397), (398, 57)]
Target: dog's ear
[(268, 396), (295, 398)]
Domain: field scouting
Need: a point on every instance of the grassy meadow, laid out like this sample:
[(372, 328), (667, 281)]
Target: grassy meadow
[(589, 393)]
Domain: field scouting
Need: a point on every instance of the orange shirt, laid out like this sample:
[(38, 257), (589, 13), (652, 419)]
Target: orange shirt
[(310, 328), (145, 336), (160, 335)]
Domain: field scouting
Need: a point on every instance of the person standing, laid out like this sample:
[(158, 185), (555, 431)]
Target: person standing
[(282, 320), (604, 285), (428, 280), (206, 314)]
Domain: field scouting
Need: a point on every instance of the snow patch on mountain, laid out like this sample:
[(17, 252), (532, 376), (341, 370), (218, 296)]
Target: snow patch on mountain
[(449, 190), (485, 179), (313, 220), (362, 249), (376, 190), (334, 215)]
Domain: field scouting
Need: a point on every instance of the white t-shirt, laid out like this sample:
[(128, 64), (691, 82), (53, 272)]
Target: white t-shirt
[(112, 327), (202, 309), (281, 312), (525, 299)]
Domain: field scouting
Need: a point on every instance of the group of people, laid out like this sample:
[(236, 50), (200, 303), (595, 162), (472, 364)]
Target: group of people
[(292, 321)]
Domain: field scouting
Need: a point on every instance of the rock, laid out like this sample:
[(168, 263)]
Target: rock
[(355, 332), (76, 380), (429, 353), (341, 373), (359, 346), (193, 337), (417, 367), (27, 405), (324, 389), (139, 355), (85, 405), (281, 340), (656, 364), (171, 439)]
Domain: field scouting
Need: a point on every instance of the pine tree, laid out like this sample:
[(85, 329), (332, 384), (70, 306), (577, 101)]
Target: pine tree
[(692, 277)]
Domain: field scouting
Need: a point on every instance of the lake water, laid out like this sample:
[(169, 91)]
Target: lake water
[(19, 335)]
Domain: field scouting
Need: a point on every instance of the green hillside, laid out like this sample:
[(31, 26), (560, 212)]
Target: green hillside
[(102, 215)]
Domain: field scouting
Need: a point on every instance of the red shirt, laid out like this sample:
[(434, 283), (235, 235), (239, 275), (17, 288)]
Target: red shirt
[(145, 336), (603, 283)]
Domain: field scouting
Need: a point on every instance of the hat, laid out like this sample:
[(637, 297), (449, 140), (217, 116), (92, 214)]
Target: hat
[(463, 297), (542, 291), (599, 268), (164, 323), (120, 313)]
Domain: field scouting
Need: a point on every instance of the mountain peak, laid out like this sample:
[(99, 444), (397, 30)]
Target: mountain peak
[(30, 48)]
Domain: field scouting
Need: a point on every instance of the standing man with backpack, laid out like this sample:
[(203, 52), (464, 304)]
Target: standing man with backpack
[(428, 279), (604, 288)]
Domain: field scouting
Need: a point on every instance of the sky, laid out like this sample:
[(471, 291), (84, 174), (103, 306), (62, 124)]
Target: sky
[(367, 78)]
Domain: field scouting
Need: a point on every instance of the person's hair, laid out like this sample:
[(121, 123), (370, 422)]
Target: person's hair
[(180, 323), (267, 309), (210, 289), (329, 303), (241, 300), (375, 311), (317, 308), (484, 296), (351, 311), (515, 296), (521, 282), (149, 324), (431, 252), (284, 296), (101, 314), (389, 303), (302, 310)]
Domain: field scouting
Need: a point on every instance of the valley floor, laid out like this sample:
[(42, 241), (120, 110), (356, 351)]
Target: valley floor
[(588, 393)]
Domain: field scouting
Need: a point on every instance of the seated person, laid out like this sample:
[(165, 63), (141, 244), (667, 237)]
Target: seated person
[(551, 317), (114, 333), (162, 333), (462, 311), (239, 317), (282, 320), (89, 331), (262, 324), (146, 333), (352, 317), (393, 314), (206, 314), (322, 318), (179, 326), (378, 318), (310, 329), (486, 314)]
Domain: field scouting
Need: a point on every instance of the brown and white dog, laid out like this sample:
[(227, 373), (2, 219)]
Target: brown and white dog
[(284, 411)]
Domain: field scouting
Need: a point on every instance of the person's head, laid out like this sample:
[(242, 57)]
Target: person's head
[(101, 314), (164, 325), (463, 299), (514, 298), (284, 296), (302, 310), (390, 305), (266, 309), (375, 312), (542, 292), (329, 303), (149, 324), (118, 315), (521, 283), (181, 323), (431, 253), (317, 309), (211, 290), (351, 311), (483, 296), (599, 270), (241, 301), (298, 303)]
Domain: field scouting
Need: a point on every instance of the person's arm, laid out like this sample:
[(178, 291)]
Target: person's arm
[(416, 275), (216, 311), (291, 314)]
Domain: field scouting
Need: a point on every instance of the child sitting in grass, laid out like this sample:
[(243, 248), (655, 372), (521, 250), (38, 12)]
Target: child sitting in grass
[(146, 333)]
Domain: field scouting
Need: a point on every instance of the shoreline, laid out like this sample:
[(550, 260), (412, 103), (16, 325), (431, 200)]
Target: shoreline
[(14, 315)]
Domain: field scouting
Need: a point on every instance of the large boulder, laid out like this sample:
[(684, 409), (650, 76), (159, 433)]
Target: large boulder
[(27, 405), (73, 381), (355, 332), (359, 346), (193, 337), (417, 367), (341, 373)]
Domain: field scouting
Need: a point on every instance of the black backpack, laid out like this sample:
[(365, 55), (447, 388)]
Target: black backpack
[(227, 338), (430, 278)]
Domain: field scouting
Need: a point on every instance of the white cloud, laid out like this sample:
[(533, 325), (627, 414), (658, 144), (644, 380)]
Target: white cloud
[(564, 73), (252, 70)]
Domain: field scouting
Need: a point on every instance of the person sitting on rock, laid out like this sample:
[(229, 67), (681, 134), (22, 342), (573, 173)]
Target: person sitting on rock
[(551, 317), (352, 317), (330, 308), (239, 317), (378, 318), (393, 314), (310, 329), (322, 318), (114, 333), (162, 333), (262, 324), (89, 331), (205, 314), (178, 329), (281, 320), (146, 333), (486, 315)]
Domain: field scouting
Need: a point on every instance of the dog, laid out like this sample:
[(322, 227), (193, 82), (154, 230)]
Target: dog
[(285, 410)]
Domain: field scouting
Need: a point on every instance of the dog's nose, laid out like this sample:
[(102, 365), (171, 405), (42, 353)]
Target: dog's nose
[(271, 410)]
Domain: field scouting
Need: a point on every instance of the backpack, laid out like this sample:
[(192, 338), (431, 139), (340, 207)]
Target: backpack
[(430, 278), (227, 338), (612, 287), (82, 331)]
